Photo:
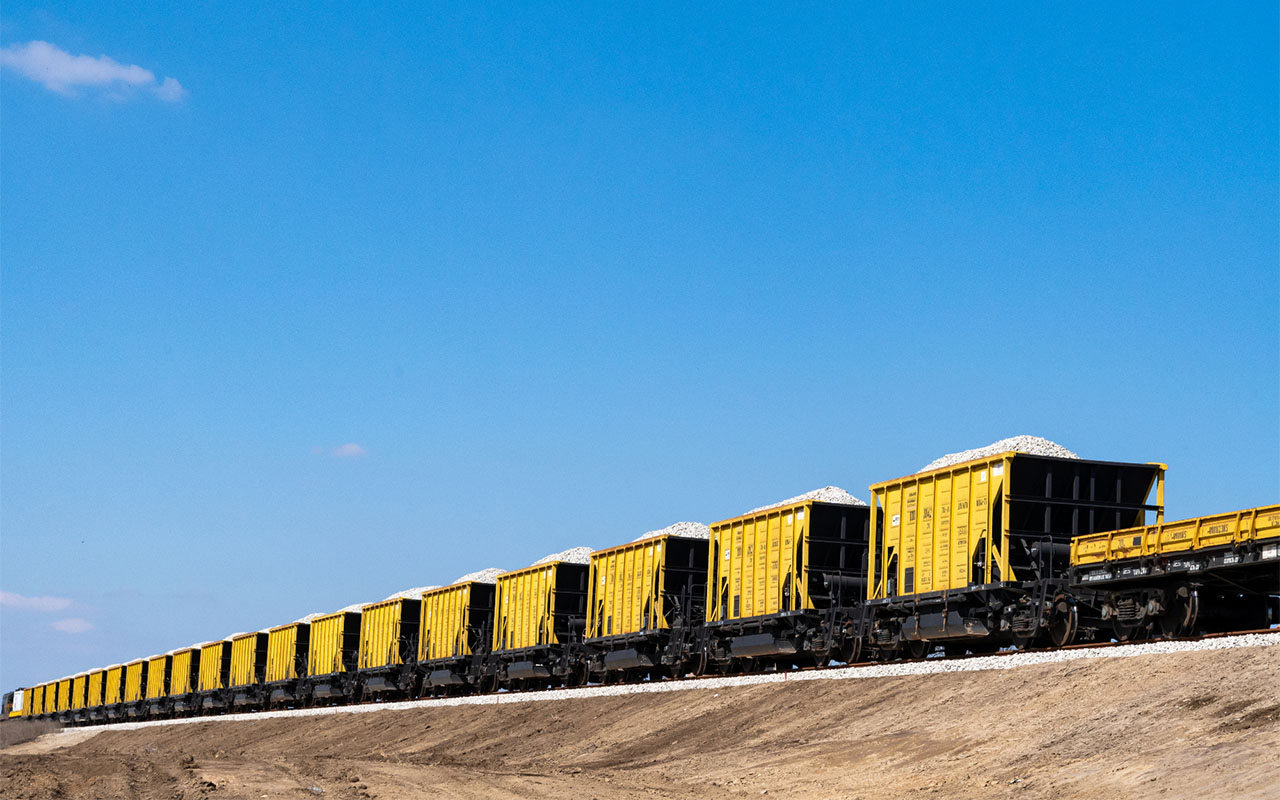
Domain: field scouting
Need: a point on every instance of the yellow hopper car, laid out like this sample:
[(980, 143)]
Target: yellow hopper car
[(976, 555), (456, 624), (645, 605), (538, 620)]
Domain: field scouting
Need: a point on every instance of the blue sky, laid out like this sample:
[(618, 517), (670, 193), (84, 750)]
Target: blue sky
[(560, 279)]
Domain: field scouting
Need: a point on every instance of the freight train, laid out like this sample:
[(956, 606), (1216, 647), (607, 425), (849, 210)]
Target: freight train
[(1007, 549)]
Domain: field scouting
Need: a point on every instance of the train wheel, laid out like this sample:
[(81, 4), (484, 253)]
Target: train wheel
[(850, 650), (918, 648), (1180, 618), (1063, 623)]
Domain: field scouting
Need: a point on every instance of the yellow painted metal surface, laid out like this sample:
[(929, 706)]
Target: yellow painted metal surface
[(524, 608), (135, 681), (625, 588), (383, 637), (113, 686), (284, 656), (37, 700), (949, 528), (761, 559), (181, 678), (248, 657), (324, 651), (64, 695), (446, 615), (157, 677), (22, 700), (79, 684), (93, 693), (1171, 538), (934, 524), (212, 657)]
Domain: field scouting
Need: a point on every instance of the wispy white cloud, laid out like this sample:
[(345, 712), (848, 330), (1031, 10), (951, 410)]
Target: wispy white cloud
[(14, 600), (72, 625), (64, 73), (349, 450)]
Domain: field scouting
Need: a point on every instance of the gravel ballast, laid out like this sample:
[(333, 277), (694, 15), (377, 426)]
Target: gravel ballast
[(827, 494), (868, 671), (687, 530), (1031, 445)]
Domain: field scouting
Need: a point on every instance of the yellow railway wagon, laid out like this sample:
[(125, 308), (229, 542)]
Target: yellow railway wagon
[(248, 658), (113, 685), (1170, 540), (79, 687), (64, 695), (537, 606), (93, 692), (632, 587), (389, 632), (777, 560), (452, 619), (158, 676), (135, 681), (982, 548), (334, 643), (978, 522), (287, 647), (184, 671), (1204, 574), (215, 666)]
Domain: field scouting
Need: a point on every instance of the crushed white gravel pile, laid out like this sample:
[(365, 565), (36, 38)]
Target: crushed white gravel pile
[(827, 494), (688, 530), (351, 608), (489, 575), (974, 664), (308, 618), (574, 555), (410, 594), (1032, 445)]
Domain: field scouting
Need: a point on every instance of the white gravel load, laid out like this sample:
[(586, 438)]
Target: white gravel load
[(1031, 445), (353, 608), (410, 594), (827, 494), (574, 555), (308, 618), (489, 575), (687, 530)]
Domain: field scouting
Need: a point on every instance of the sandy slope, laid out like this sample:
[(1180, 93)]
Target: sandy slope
[(1198, 724)]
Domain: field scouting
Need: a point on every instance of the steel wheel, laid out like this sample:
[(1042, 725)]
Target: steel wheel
[(1063, 623), (1180, 618)]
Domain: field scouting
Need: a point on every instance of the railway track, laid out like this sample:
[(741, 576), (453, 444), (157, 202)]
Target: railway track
[(1005, 659)]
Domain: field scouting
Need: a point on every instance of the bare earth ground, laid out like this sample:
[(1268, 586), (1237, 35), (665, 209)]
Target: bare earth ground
[(1203, 724)]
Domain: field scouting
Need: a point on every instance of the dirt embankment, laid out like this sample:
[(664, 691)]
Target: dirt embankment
[(1198, 724), (19, 730)]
